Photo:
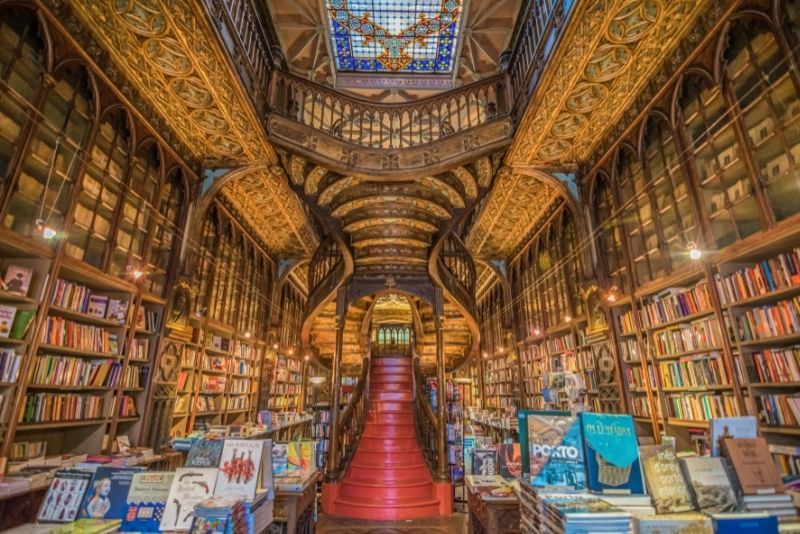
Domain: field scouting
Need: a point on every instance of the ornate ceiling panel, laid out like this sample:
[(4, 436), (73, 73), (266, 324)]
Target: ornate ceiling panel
[(264, 199), (611, 50), (169, 51), (512, 208)]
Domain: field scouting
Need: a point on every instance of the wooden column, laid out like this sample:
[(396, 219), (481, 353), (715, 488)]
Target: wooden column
[(336, 387), (441, 409)]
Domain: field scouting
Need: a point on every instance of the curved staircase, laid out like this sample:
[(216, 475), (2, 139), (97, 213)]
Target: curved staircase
[(388, 478)]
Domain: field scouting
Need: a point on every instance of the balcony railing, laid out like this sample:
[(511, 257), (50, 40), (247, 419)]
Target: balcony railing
[(388, 126)]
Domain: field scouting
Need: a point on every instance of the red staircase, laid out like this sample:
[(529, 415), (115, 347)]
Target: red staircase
[(388, 478)]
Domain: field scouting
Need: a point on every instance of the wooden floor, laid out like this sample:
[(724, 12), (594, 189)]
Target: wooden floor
[(454, 524)]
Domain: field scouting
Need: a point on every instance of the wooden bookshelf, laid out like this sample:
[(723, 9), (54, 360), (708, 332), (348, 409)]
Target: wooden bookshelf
[(284, 392)]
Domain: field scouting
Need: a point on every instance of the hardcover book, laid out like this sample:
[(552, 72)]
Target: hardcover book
[(63, 499), (484, 462), (551, 446), (205, 453), (612, 453), (731, 427), (753, 465), (7, 314), (244, 468), (107, 495), (711, 487), (665, 481), (301, 458), (118, 310), (18, 279), (97, 305), (146, 502), (691, 523), (190, 485), (280, 459), (509, 460)]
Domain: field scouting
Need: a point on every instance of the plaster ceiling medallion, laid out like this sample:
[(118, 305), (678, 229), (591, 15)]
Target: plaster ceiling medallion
[(611, 50)]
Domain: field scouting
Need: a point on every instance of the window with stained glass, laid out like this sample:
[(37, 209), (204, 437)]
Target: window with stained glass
[(165, 242), (767, 97), (53, 154), (407, 36), (609, 233)]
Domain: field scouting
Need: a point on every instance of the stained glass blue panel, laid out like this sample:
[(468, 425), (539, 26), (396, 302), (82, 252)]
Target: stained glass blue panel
[(406, 36)]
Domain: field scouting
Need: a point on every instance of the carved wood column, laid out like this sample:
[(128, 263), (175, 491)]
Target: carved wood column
[(441, 408), (336, 387)]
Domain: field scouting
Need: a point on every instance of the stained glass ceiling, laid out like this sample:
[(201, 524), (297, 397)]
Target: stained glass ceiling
[(394, 36)]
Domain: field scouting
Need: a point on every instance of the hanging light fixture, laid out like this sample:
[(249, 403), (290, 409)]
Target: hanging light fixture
[(247, 334), (694, 252), (567, 318), (537, 331), (611, 296)]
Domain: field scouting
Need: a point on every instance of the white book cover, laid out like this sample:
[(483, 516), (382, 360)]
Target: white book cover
[(7, 314), (245, 466), (190, 486)]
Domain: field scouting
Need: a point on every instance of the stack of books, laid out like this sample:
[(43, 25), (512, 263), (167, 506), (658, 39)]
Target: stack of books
[(586, 515)]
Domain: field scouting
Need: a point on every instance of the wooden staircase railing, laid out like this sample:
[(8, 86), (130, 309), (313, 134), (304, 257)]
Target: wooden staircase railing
[(427, 426), (345, 436)]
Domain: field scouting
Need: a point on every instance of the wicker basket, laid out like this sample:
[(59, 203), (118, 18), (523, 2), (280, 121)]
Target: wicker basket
[(611, 475)]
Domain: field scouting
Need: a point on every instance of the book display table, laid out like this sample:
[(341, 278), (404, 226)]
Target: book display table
[(293, 511), (492, 516)]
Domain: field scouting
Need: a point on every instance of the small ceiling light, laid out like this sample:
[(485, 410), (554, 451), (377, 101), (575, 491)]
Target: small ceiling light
[(694, 252), (567, 318), (306, 357), (48, 233), (274, 346), (290, 352), (537, 331), (611, 296), (247, 335)]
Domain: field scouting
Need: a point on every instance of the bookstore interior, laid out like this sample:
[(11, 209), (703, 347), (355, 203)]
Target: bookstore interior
[(507, 266)]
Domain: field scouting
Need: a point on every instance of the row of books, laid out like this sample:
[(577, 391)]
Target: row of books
[(285, 389), (773, 365), (641, 407), (67, 371), (502, 388), (762, 278), (634, 377), (238, 402), (14, 323), (147, 319), (140, 349), (27, 450), (127, 406), (52, 407), (560, 344), (698, 335), (702, 406), (778, 409), (10, 363), (694, 371), (206, 403), (676, 303), (214, 383), (135, 377), (629, 350), (66, 333), (244, 351), (240, 385), (79, 298), (280, 402), (217, 342), (288, 376), (773, 320)]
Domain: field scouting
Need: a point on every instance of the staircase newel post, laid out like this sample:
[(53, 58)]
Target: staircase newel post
[(336, 389), (441, 444)]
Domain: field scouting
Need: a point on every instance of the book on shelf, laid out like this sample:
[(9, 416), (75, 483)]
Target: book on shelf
[(63, 499), (10, 363), (190, 485), (665, 482), (98, 304), (107, 495), (761, 278), (490, 487), (551, 446), (118, 310), (778, 409), (731, 427), (63, 332), (509, 458), (48, 408), (612, 453), (778, 319), (17, 279), (710, 484), (7, 314), (769, 366), (244, 468), (755, 470), (146, 501), (22, 323)]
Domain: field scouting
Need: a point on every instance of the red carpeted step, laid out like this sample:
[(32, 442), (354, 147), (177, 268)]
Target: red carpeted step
[(387, 444), (398, 473), (390, 396), (382, 510), (386, 490)]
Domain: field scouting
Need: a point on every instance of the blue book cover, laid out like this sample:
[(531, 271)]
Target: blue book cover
[(552, 450), (734, 523), (146, 501), (108, 493), (205, 453), (612, 453)]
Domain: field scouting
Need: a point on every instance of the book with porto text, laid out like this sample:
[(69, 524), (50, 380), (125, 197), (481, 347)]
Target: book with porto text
[(753, 465), (551, 446)]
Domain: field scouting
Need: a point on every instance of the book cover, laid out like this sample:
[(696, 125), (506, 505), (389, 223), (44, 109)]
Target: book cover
[(691, 523), (551, 445), (280, 459), (740, 523), (205, 453), (140, 322), (301, 458), (18, 279), (731, 427), (240, 468), (22, 323), (509, 460), (117, 310), (7, 314), (97, 305), (107, 495), (190, 485), (709, 482), (753, 465), (146, 502), (665, 481), (62, 501), (612, 453), (484, 462)]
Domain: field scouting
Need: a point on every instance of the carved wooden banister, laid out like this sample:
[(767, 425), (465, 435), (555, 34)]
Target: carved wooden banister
[(350, 426), (325, 260), (457, 261), (388, 125), (428, 427)]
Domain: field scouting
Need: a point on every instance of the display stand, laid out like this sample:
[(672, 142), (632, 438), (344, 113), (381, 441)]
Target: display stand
[(294, 510)]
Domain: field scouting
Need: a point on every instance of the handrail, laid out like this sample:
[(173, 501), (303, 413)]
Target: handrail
[(388, 125), (457, 260), (326, 258), (350, 427), (427, 427)]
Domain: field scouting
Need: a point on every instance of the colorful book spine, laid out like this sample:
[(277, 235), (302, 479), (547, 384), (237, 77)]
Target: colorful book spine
[(694, 371), (74, 372), (773, 366), (762, 278), (774, 320), (702, 406), (778, 409), (47, 407), (66, 333)]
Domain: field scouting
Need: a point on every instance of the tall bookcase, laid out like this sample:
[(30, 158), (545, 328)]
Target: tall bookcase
[(285, 389)]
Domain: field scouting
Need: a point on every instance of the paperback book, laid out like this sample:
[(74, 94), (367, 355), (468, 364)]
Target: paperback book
[(280, 459), (709, 482), (7, 314), (107, 495), (190, 485), (686, 523), (753, 465), (612, 453), (551, 446), (62, 501), (731, 427), (205, 453), (244, 468), (18, 279), (146, 502), (97, 305), (484, 462), (117, 310), (665, 481), (301, 457), (509, 460)]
